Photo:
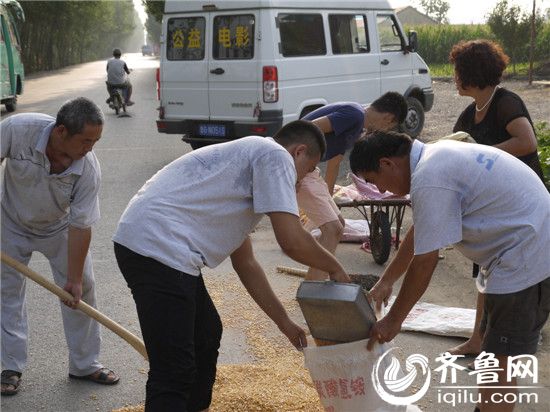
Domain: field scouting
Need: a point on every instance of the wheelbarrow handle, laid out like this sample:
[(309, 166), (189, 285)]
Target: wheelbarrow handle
[(125, 334)]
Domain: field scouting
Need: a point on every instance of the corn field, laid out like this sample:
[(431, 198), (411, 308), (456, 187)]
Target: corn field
[(435, 42)]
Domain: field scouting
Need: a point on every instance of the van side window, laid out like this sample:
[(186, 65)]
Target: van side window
[(348, 33), (302, 35), (185, 38), (389, 34), (233, 37)]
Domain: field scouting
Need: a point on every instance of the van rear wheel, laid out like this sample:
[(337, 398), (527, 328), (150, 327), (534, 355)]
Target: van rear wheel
[(197, 145), (414, 122)]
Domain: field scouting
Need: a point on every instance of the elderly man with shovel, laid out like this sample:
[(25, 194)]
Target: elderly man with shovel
[(49, 203), (196, 212)]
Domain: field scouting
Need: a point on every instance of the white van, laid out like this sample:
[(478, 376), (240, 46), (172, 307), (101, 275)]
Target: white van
[(230, 69)]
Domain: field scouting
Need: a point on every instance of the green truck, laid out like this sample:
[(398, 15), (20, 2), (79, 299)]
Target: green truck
[(12, 72)]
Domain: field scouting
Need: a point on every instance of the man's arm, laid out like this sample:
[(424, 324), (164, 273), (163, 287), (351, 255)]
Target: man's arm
[(414, 285), (299, 245), (78, 244), (323, 123), (333, 168), (399, 264), (255, 281), (333, 164)]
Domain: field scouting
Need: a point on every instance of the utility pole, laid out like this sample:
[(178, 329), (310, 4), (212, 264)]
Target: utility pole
[(532, 47)]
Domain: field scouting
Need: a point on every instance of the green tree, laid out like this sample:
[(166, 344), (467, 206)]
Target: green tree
[(436, 9), (62, 33), (154, 10), (512, 29)]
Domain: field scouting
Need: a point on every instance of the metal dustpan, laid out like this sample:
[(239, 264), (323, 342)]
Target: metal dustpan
[(338, 312)]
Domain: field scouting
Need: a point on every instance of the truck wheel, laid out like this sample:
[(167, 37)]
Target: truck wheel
[(11, 105), (414, 122)]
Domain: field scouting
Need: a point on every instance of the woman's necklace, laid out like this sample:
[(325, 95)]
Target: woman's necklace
[(480, 109)]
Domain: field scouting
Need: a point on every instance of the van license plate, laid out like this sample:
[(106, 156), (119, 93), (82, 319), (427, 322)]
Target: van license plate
[(217, 130)]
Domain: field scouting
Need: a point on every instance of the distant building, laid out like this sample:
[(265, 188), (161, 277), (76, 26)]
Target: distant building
[(409, 16)]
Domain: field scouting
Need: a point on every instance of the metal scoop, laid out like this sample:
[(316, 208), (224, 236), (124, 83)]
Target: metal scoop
[(338, 312)]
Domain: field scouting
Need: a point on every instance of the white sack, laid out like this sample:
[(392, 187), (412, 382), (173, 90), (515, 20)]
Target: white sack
[(342, 376)]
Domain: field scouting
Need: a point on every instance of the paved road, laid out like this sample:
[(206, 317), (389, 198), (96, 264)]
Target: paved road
[(130, 151)]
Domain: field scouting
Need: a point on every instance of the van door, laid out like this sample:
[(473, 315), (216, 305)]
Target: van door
[(395, 64), (184, 76), (233, 69)]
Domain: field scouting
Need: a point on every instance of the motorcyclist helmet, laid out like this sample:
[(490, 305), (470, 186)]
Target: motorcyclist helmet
[(116, 53)]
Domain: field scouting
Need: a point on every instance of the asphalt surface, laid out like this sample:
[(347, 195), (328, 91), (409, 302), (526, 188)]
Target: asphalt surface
[(130, 151)]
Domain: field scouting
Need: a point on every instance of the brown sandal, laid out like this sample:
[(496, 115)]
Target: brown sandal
[(100, 376), (10, 378)]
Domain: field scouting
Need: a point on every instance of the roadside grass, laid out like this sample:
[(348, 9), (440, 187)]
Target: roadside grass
[(542, 130), (447, 70)]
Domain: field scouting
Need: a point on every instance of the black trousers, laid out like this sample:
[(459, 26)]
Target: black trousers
[(181, 329)]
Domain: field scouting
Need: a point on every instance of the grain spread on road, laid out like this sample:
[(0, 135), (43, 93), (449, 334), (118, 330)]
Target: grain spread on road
[(277, 380)]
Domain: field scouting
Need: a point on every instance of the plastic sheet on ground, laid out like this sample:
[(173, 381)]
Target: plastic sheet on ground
[(439, 320), (355, 231)]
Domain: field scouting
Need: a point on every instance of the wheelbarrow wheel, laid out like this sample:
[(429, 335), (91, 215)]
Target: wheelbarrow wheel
[(380, 237)]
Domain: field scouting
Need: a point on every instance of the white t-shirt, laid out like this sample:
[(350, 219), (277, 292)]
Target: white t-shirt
[(489, 204), (33, 200), (200, 208)]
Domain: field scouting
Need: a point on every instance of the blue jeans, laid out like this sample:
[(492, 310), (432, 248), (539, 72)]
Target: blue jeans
[(181, 329)]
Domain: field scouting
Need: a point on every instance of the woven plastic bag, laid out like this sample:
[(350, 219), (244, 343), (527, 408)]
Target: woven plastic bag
[(439, 320), (342, 377)]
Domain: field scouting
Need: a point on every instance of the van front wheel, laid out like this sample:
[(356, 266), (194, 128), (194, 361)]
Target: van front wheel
[(414, 122)]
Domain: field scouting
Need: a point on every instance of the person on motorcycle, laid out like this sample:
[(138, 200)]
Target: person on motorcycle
[(117, 76)]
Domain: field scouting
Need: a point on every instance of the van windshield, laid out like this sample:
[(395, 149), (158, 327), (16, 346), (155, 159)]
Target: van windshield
[(185, 38), (233, 37)]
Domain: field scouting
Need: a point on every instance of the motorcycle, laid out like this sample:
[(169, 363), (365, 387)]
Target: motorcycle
[(117, 100)]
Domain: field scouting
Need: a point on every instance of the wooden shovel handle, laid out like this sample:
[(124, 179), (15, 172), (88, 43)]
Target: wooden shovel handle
[(125, 334), (292, 271)]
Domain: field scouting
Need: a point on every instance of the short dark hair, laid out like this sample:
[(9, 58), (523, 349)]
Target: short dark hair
[(393, 103), (478, 63), (75, 114), (304, 132), (367, 151)]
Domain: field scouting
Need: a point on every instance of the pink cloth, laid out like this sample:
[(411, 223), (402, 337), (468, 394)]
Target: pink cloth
[(368, 190), (315, 200), (361, 190)]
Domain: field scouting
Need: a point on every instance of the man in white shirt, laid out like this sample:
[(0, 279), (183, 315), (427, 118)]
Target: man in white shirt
[(473, 197), (196, 212), (49, 204)]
